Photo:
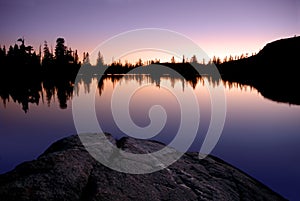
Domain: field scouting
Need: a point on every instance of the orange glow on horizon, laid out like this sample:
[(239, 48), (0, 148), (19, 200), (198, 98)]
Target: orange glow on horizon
[(213, 46)]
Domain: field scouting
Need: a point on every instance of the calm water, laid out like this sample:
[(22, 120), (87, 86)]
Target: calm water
[(260, 136)]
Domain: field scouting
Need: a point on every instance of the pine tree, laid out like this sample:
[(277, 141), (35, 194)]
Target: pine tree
[(48, 57), (60, 50), (100, 60)]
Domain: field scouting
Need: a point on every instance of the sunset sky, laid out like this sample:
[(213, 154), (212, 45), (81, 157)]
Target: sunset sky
[(219, 27)]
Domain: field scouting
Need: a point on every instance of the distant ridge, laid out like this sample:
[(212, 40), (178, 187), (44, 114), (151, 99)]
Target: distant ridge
[(273, 71), (287, 48)]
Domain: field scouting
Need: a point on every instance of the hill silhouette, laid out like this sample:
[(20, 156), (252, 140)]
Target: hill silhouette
[(273, 71)]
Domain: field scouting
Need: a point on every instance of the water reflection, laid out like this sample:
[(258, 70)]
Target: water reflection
[(35, 91), (260, 136), (26, 92)]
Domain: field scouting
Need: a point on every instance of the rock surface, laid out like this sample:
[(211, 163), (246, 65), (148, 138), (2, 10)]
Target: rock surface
[(66, 171)]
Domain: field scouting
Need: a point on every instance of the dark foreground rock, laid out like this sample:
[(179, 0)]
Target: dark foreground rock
[(66, 171)]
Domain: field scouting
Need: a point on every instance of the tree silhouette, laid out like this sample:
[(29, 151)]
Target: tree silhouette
[(86, 59), (100, 60), (48, 56), (139, 63), (194, 59), (60, 50), (173, 60), (76, 58)]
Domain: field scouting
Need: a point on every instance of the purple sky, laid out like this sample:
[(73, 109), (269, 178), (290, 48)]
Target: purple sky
[(218, 27)]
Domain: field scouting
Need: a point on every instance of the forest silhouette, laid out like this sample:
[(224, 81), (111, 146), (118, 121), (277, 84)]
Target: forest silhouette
[(25, 73)]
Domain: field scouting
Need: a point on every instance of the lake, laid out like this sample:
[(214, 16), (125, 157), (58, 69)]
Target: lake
[(260, 136)]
